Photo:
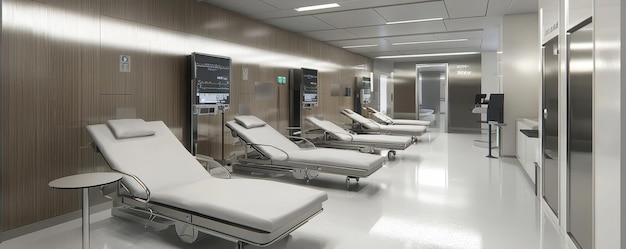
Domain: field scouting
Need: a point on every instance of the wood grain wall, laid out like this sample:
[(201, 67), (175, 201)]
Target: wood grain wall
[(60, 72)]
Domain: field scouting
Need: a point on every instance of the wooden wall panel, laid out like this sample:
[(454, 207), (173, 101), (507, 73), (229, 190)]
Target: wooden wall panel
[(61, 73)]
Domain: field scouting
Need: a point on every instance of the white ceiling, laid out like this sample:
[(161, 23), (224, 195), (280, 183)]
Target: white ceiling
[(363, 22)]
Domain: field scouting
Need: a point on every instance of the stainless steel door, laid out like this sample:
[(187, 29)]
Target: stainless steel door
[(550, 138), (580, 136)]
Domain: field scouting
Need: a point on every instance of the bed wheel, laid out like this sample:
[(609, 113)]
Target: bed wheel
[(239, 245), (348, 182), (186, 233), (391, 154)]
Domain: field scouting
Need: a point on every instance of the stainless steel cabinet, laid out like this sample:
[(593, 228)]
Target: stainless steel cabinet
[(550, 136), (580, 136)]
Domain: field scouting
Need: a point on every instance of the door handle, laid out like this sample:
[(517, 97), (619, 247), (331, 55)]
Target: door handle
[(545, 113)]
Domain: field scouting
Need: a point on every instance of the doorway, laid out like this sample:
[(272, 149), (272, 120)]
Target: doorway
[(431, 91)]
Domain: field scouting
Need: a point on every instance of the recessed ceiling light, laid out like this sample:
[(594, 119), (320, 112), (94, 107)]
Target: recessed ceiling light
[(318, 7), (416, 20), (424, 55), (424, 42), (361, 46)]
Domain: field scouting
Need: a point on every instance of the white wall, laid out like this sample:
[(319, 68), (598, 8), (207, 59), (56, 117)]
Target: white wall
[(607, 128), (490, 82), (549, 22), (521, 74)]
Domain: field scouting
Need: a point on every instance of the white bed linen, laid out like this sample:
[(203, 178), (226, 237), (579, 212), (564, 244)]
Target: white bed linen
[(177, 179)]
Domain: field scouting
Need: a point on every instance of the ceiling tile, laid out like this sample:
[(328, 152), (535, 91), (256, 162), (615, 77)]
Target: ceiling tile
[(464, 23), (378, 53), (399, 29), (499, 8), (353, 18), (410, 38), (474, 43), (413, 11), (300, 23), (465, 8), (353, 42), (291, 4), (407, 47), (437, 51), (477, 34), (330, 35), (523, 7)]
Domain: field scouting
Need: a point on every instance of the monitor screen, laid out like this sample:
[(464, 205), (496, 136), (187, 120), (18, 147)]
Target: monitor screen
[(212, 79), (309, 85), (495, 109)]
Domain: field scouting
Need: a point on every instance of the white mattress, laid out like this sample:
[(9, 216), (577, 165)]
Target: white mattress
[(410, 122), (386, 139), (267, 139), (342, 135), (340, 158), (260, 204), (371, 126), (413, 130), (177, 179)]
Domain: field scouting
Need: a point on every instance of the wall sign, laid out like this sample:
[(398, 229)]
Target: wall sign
[(125, 63)]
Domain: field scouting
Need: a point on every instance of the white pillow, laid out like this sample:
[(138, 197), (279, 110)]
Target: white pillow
[(249, 121), (129, 128)]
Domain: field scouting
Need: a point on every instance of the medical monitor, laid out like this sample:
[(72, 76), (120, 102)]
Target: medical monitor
[(495, 109), (309, 86), (211, 76)]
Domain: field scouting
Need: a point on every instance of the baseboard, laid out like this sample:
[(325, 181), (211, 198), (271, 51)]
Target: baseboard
[(23, 230)]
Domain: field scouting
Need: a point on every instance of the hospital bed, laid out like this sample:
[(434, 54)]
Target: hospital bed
[(384, 119), (164, 185), (334, 136), (274, 152), (364, 125)]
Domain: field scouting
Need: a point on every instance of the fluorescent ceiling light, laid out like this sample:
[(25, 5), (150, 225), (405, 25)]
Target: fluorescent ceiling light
[(318, 7), (424, 55), (361, 46), (424, 42), (417, 20)]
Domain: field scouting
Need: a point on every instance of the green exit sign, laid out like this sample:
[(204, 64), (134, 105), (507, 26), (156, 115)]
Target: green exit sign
[(282, 80)]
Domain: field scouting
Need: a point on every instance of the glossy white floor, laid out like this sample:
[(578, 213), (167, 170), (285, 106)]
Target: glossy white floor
[(445, 194)]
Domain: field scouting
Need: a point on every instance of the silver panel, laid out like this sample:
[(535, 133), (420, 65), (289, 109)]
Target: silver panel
[(580, 137), (550, 137)]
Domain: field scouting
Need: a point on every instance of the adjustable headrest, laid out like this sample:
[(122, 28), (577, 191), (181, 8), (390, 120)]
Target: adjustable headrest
[(249, 121), (348, 111), (129, 128)]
